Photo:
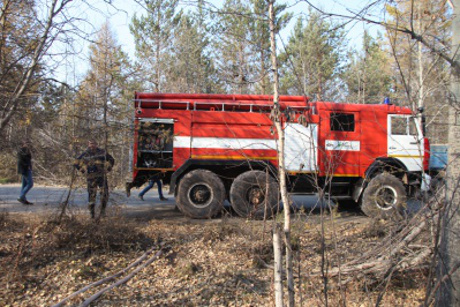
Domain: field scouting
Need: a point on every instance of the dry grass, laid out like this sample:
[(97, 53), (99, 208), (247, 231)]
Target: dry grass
[(223, 263)]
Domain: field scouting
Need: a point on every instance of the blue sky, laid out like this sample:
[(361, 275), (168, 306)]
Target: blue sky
[(120, 21), (120, 12)]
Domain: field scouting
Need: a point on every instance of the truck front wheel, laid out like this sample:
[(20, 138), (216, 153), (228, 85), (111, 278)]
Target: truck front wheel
[(251, 197), (384, 197), (201, 194)]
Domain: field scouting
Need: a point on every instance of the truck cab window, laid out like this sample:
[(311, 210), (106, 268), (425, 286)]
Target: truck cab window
[(399, 125), (403, 125), (342, 122)]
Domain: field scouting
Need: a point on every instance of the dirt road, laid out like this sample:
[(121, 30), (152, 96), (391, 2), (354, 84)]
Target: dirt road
[(47, 200)]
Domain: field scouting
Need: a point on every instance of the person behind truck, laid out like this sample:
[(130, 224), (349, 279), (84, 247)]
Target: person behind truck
[(155, 178), (95, 163), (25, 169)]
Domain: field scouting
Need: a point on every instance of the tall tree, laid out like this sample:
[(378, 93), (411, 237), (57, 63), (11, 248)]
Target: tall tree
[(102, 102), (24, 40), (421, 76), (312, 59), (233, 47), (153, 34), (368, 75), (191, 65), (278, 123), (259, 38)]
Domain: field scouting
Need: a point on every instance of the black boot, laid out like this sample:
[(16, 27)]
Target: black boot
[(128, 187), (102, 210), (91, 209)]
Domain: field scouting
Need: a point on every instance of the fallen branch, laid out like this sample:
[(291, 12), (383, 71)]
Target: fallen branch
[(122, 281), (382, 259), (106, 279)]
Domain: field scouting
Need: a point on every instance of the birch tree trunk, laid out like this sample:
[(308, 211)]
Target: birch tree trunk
[(281, 162), (278, 266)]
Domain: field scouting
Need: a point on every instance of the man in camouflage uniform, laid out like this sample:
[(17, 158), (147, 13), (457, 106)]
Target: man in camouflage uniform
[(96, 163)]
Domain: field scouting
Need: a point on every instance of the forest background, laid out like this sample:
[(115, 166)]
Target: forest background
[(65, 80), (66, 77)]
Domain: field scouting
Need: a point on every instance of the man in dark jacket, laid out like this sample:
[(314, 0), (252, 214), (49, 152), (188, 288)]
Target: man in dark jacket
[(96, 163), (25, 169)]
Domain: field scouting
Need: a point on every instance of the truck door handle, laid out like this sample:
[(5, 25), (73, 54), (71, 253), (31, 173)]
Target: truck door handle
[(414, 143)]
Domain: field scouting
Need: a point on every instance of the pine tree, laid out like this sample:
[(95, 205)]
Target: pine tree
[(191, 65), (312, 59), (368, 75), (153, 35), (233, 58), (259, 31)]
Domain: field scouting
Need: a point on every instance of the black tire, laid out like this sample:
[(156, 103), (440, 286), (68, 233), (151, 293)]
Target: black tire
[(201, 194), (384, 197), (248, 194)]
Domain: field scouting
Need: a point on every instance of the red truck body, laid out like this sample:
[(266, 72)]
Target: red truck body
[(337, 147)]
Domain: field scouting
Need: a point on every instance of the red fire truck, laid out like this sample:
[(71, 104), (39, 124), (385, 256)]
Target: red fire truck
[(211, 148)]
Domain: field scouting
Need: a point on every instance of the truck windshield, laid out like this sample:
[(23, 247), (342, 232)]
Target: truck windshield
[(404, 125)]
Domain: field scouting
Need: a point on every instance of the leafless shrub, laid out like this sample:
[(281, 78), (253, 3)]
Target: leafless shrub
[(262, 255), (4, 219), (110, 234), (189, 268)]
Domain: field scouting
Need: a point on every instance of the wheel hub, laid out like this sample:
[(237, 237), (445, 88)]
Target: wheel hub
[(200, 195), (255, 196), (386, 197)]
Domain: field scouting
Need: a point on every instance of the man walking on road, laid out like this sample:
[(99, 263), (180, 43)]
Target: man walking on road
[(95, 163), (152, 180), (25, 169)]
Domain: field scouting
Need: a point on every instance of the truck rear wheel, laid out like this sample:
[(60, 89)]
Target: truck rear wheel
[(201, 194), (384, 197), (248, 195)]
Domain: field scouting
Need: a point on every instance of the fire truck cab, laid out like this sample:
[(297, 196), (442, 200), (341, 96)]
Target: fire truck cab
[(211, 148)]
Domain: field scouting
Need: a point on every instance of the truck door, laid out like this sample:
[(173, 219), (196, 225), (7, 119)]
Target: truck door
[(155, 143), (301, 147), (405, 141), (341, 134)]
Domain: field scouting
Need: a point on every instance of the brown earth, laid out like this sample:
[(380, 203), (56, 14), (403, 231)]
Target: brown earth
[(219, 262)]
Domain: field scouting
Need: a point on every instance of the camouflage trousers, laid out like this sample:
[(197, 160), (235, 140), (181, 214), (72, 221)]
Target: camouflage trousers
[(93, 185)]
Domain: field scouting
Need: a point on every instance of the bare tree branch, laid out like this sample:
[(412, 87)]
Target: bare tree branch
[(419, 37)]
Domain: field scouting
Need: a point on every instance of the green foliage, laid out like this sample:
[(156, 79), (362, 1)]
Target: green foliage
[(242, 45), (259, 38), (191, 66), (153, 35), (233, 45), (312, 59), (368, 75)]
